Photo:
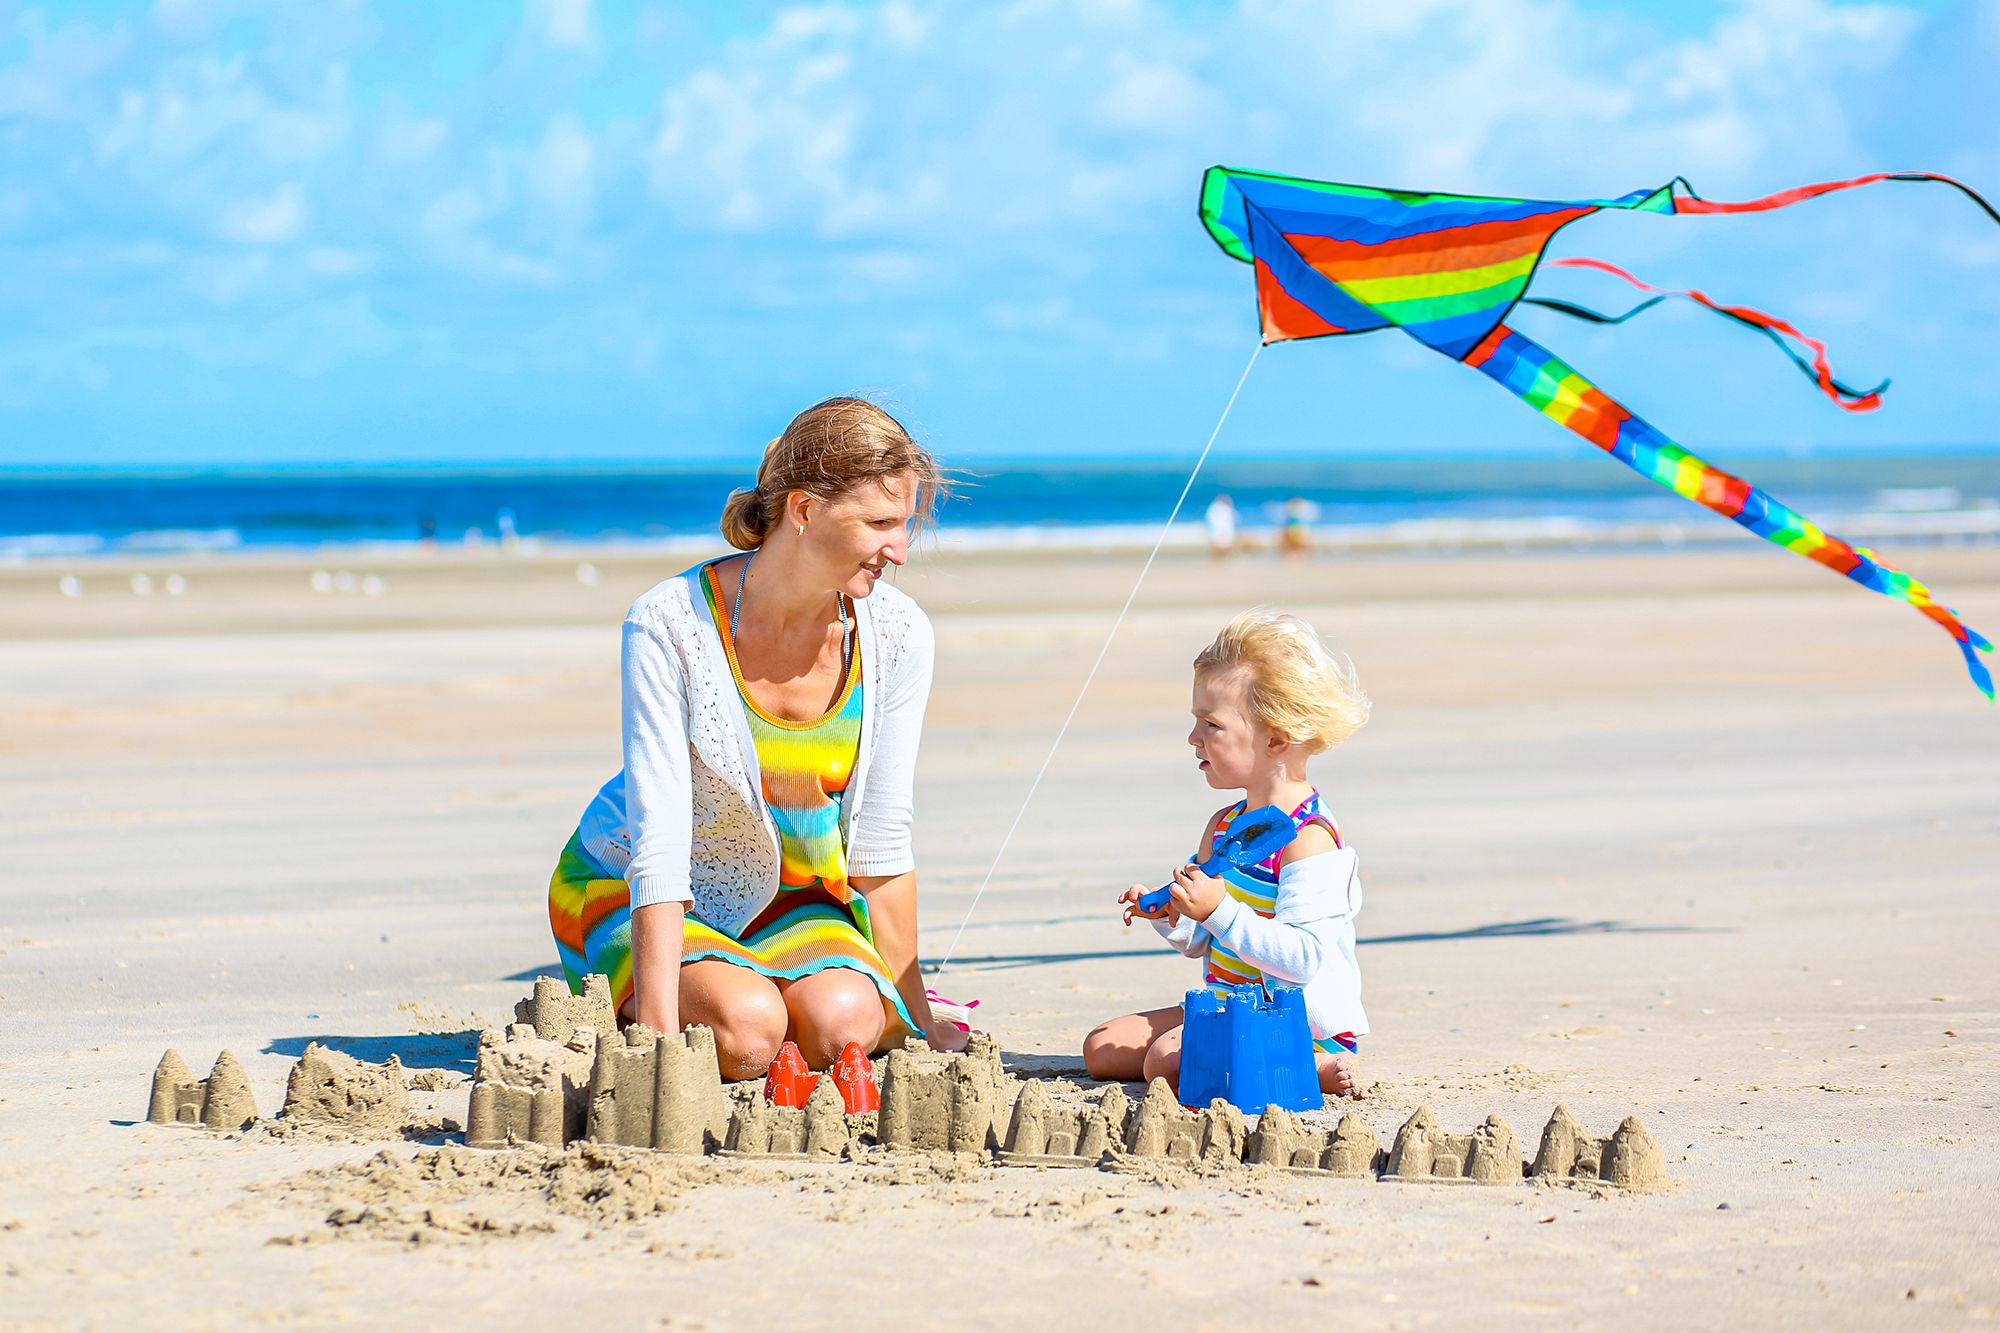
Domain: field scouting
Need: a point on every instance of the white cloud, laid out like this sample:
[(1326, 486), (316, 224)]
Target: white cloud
[(559, 171), (199, 108), (335, 263), (406, 141), (268, 219), (565, 22), (453, 224), (57, 65), (228, 279), (905, 25), (1152, 99)]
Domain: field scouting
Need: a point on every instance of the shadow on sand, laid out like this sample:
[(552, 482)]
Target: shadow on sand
[(1535, 926), (417, 1050)]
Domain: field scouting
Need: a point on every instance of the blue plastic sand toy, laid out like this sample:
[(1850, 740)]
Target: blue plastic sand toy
[(1250, 1051), (1253, 837)]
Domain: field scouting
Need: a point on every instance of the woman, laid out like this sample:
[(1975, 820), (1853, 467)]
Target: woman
[(751, 868)]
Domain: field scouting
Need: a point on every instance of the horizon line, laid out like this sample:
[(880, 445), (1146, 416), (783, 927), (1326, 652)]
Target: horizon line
[(1000, 463)]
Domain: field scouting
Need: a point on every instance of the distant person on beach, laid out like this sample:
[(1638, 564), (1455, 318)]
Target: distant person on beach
[(1295, 539), (1267, 696), (1221, 522), (751, 869)]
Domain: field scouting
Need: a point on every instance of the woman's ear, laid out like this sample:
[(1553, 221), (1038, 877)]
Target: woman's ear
[(796, 503)]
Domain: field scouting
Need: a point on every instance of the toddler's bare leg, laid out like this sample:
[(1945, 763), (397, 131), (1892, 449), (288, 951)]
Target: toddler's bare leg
[(1163, 1058), (1117, 1049), (1337, 1075)]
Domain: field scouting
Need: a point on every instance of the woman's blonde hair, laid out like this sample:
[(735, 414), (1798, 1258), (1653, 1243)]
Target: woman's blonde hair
[(828, 450), (1297, 686)]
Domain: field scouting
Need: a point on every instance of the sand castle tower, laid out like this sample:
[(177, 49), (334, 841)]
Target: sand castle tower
[(332, 1086), (222, 1101), (1042, 1133), (555, 1013), (1628, 1157), (650, 1091), (952, 1106), (1489, 1155)]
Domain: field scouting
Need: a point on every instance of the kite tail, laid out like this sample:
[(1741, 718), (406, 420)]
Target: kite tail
[(1534, 374), (1694, 203), (1817, 368)]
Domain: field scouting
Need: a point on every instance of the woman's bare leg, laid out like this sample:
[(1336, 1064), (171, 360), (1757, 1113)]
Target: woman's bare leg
[(830, 1009), (1117, 1049), (742, 1007)]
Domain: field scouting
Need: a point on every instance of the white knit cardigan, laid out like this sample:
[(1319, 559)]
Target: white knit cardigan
[(685, 820)]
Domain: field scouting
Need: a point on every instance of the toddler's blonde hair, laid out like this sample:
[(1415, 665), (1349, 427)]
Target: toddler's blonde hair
[(1297, 687)]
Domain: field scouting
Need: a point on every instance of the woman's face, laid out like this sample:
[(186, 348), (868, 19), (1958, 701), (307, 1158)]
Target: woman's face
[(1227, 741), (859, 535)]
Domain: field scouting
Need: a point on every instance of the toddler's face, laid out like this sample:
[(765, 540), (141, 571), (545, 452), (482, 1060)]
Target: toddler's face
[(1227, 741)]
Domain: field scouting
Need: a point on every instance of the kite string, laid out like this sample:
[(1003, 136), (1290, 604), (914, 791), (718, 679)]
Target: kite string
[(1063, 730)]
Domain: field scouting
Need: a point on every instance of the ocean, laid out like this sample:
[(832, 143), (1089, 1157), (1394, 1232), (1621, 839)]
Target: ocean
[(46, 516)]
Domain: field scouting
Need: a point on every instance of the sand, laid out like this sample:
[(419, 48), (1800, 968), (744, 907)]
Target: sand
[(1704, 839)]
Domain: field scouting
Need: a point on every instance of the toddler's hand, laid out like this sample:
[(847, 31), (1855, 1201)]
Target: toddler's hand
[(1194, 894), (1131, 898)]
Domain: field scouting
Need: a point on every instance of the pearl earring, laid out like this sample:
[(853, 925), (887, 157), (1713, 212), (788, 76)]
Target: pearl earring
[(802, 529)]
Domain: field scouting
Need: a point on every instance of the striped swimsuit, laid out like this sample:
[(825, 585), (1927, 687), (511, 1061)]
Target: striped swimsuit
[(815, 921), (1256, 887)]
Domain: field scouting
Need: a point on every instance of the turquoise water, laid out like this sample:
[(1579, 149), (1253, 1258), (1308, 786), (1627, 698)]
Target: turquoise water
[(45, 514)]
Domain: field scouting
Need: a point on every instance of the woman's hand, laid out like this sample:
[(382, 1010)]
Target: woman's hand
[(1166, 912), (946, 1037), (1194, 893)]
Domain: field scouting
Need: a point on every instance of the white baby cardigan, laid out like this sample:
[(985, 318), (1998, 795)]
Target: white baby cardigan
[(1308, 941)]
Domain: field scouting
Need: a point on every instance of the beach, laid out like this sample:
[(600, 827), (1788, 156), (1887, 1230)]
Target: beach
[(1705, 837)]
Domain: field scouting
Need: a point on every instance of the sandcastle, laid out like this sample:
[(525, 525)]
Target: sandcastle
[(529, 1090), (1489, 1155), (645, 1090), (334, 1087), (1627, 1157), (1282, 1140), (1041, 1133), (953, 1106), (651, 1091), (222, 1101), (820, 1128), (534, 1082), (554, 1013), (1159, 1126), (563, 1073)]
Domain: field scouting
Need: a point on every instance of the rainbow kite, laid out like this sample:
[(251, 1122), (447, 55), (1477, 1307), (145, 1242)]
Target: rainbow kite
[(1448, 268)]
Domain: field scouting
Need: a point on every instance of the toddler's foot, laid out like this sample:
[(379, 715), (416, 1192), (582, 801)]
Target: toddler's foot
[(1337, 1076)]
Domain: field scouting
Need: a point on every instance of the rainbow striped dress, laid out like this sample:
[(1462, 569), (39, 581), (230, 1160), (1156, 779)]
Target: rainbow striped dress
[(816, 921), (1256, 887)]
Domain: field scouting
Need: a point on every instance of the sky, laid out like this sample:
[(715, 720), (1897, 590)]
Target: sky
[(344, 231)]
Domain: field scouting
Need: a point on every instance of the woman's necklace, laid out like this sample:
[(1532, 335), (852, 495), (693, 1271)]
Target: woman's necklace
[(736, 612)]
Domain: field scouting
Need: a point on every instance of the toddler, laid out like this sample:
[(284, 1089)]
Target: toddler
[(1267, 696)]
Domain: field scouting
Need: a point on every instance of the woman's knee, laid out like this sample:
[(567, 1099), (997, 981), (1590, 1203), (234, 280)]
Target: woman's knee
[(831, 1009), (746, 1043), (748, 1018)]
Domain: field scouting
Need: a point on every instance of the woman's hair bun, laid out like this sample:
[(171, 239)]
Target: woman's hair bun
[(744, 520)]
